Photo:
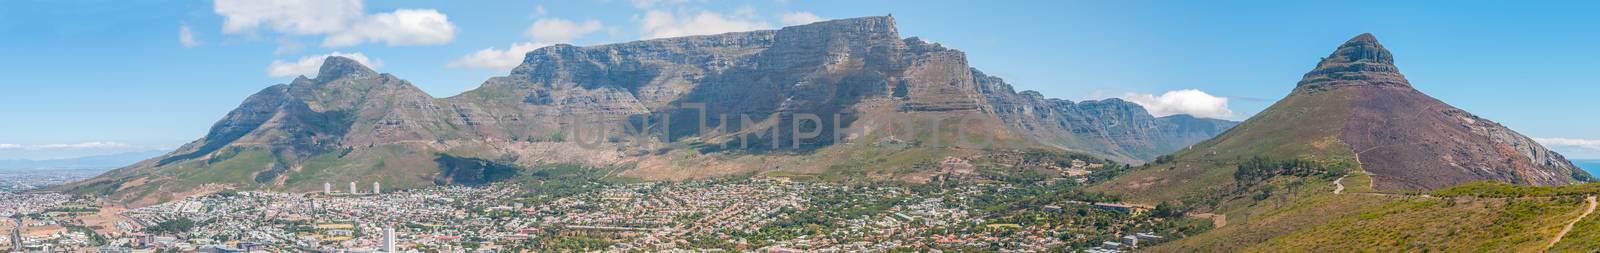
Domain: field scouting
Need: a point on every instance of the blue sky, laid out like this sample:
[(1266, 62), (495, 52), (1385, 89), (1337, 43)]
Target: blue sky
[(88, 77)]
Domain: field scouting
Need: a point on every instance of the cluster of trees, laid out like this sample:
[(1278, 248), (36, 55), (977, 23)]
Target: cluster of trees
[(1111, 170), (562, 180), (1169, 210), (172, 226), (1260, 168), (1163, 159)]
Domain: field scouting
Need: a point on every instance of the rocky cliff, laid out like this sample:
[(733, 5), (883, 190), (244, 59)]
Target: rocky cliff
[(820, 95)]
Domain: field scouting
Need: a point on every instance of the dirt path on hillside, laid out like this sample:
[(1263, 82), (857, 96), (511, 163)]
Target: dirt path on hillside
[(1568, 228), (1338, 184)]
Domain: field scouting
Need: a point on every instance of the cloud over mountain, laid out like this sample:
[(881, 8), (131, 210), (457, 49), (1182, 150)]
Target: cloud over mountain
[(662, 24), (1573, 147), (544, 32), (1192, 102), (799, 18), (308, 66)]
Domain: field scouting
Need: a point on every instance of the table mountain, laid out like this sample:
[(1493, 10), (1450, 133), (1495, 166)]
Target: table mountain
[(839, 94)]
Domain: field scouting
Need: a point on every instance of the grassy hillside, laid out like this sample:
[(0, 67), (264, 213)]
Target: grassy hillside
[(1584, 236), (1425, 224), (1301, 126), (1477, 217)]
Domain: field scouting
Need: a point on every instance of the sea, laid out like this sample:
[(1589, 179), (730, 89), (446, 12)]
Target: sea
[(1592, 166)]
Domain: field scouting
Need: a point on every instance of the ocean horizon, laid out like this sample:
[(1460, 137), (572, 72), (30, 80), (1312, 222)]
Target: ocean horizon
[(1592, 166)]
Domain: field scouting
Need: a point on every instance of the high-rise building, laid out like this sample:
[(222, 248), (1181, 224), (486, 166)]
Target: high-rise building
[(388, 239), (352, 187), (327, 188), (376, 189)]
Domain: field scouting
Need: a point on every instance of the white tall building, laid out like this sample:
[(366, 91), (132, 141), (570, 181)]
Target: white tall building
[(352, 187), (388, 239), (327, 188), (376, 188)]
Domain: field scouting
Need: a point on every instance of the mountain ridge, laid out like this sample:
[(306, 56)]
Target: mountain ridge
[(643, 109)]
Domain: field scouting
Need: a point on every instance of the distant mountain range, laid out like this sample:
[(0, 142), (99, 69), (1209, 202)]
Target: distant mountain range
[(841, 95), (110, 161)]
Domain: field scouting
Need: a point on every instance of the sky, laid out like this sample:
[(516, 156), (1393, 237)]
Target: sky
[(91, 77)]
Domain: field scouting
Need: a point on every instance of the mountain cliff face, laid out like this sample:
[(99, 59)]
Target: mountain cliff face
[(819, 94), (1355, 108)]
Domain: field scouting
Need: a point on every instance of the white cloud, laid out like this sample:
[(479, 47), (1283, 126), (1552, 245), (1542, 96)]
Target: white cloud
[(300, 17), (9, 146), (798, 18), (405, 27), (1192, 102), (342, 22), (555, 30), (544, 32), (662, 24), (309, 65), (539, 10), (1574, 148), (497, 59), (186, 37)]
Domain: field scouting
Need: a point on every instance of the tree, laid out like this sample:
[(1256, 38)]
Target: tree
[(172, 226), (1167, 210)]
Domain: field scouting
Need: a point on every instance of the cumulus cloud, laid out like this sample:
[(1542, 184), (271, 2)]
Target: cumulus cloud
[(186, 37), (300, 17), (406, 27), (1192, 102), (497, 59), (544, 32), (341, 22), (798, 18), (309, 65), (1572, 147), (662, 24)]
